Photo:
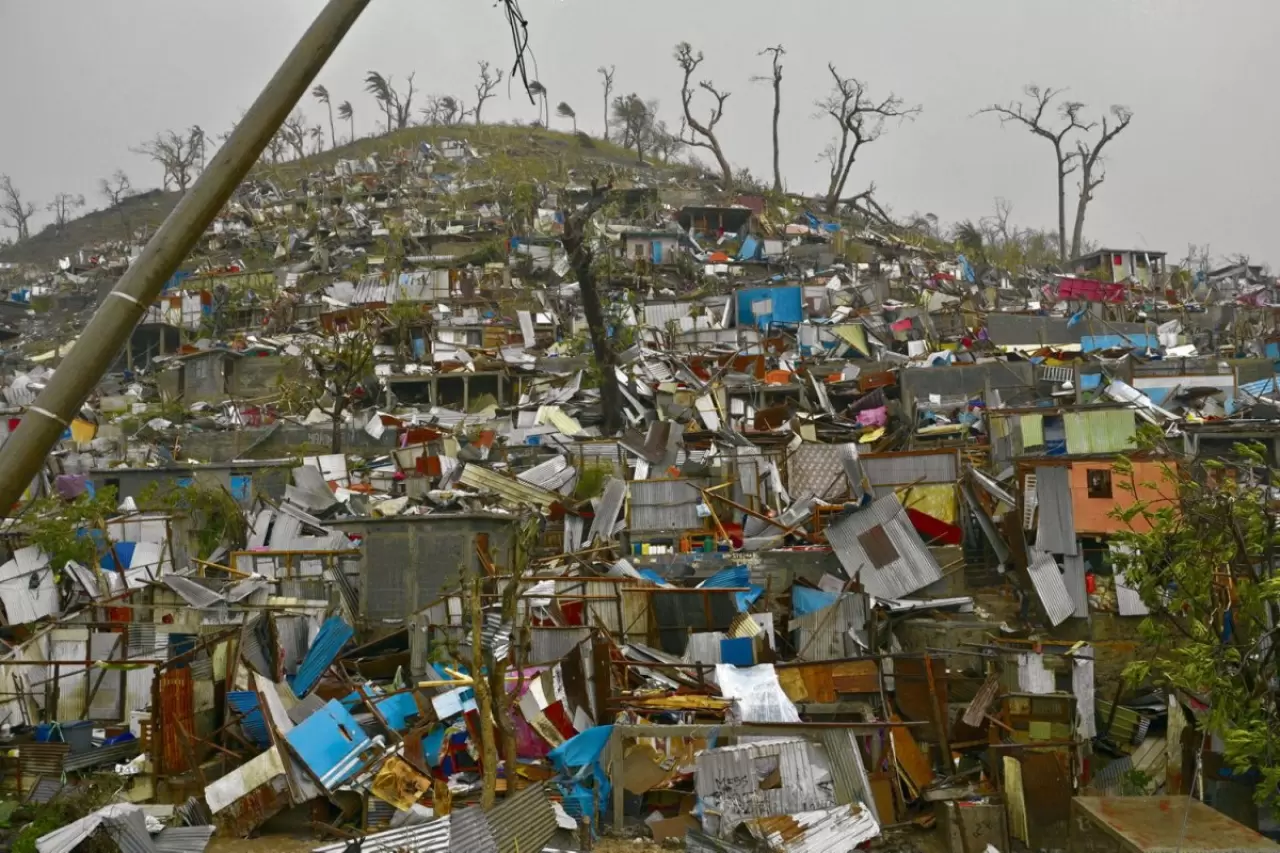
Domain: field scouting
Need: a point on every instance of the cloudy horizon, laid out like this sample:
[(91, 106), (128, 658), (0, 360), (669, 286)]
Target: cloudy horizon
[(1187, 171)]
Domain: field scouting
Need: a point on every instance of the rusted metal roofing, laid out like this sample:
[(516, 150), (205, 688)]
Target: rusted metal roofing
[(1050, 587), (816, 469), (841, 829), (882, 549), (524, 822), (42, 759)]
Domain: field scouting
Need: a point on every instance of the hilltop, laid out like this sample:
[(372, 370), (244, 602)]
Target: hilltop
[(513, 153)]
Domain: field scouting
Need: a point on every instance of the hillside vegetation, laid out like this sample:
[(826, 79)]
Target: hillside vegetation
[(511, 153)]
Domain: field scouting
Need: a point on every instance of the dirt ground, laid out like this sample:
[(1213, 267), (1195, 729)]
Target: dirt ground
[(265, 844), (612, 845)]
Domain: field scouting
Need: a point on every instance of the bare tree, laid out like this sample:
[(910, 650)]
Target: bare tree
[(634, 119), (861, 121), (444, 109), (321, 94), (62, 207), (396, 105), (1033, 116), (566, 111), (581, 257), (17, 212), (488, 81), (347, 114), (116, 188), (294, 133), (607, 75), (341, 360), (177, 154), (776, 80), (693, 132), (1091, 173), (663, 142)]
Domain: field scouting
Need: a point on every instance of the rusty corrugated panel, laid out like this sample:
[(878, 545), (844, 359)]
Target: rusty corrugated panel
[(253, 809), (1135, 824), (977, 708), (524, 822), (42, 759), (816, 469), (841, 829), (177, 719)]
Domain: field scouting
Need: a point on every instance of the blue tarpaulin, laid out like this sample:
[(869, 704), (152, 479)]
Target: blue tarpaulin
[(805, 600), (751, 249), (123, 551), (334, 634), (584, 750), (735, 576)]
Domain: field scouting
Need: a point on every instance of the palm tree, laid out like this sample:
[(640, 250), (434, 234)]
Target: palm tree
[(321, 94), (348, 115), (566, 111), (536, 88), (378, 86), (317, 136)]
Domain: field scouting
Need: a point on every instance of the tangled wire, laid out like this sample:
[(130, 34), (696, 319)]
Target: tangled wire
[(520, 41)]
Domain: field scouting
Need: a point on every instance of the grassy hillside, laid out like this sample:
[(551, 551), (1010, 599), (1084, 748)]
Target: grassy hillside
[(44, 249), (511, 153)]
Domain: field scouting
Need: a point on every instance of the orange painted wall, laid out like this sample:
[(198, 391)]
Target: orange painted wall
[(1092, 514)]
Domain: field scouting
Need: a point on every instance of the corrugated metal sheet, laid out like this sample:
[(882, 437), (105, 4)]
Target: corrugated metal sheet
[(1073, 575), (849, 772), (509, 488), (254, 725), (42, 759), (1128, 601), (658, 314), (1056, 527), (524, 822), (431, 837), (1050, 587), (727, 782), (192, 592), (704, 647), (1082, 685), (1099, 430), (470, 831), (116, 754), (46, 790), (816, 469), (183, 839), (912, 566), (548, 645), (551, 475), (824, 634), (615, 495), (981, 701), (836, 830), (904, 469), (334, 634), (1032, 675), (659, 505)]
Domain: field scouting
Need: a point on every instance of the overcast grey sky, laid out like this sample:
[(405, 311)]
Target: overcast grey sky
[(83, 80)]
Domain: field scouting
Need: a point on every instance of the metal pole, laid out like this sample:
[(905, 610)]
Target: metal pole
[(101, 340)]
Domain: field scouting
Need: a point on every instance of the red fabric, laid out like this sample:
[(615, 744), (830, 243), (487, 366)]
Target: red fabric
[(902, 325), (1090, 290), (935, 531)]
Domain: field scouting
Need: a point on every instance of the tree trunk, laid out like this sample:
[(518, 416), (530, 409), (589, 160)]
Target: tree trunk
[(484, 702), (352, 122), (1062, 206), (606, 115), (777, 112), (1077, 234), (333, 129), (580, 256), (724, 166)]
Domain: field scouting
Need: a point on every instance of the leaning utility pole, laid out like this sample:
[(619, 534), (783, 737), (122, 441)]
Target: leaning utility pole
[(113, 323)]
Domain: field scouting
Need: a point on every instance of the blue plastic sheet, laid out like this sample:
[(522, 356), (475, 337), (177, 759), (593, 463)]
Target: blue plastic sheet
[(805, 600)]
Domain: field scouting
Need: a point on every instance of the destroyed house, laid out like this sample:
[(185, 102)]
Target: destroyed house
[(715, 221), (655, 247), (1114, 266)]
